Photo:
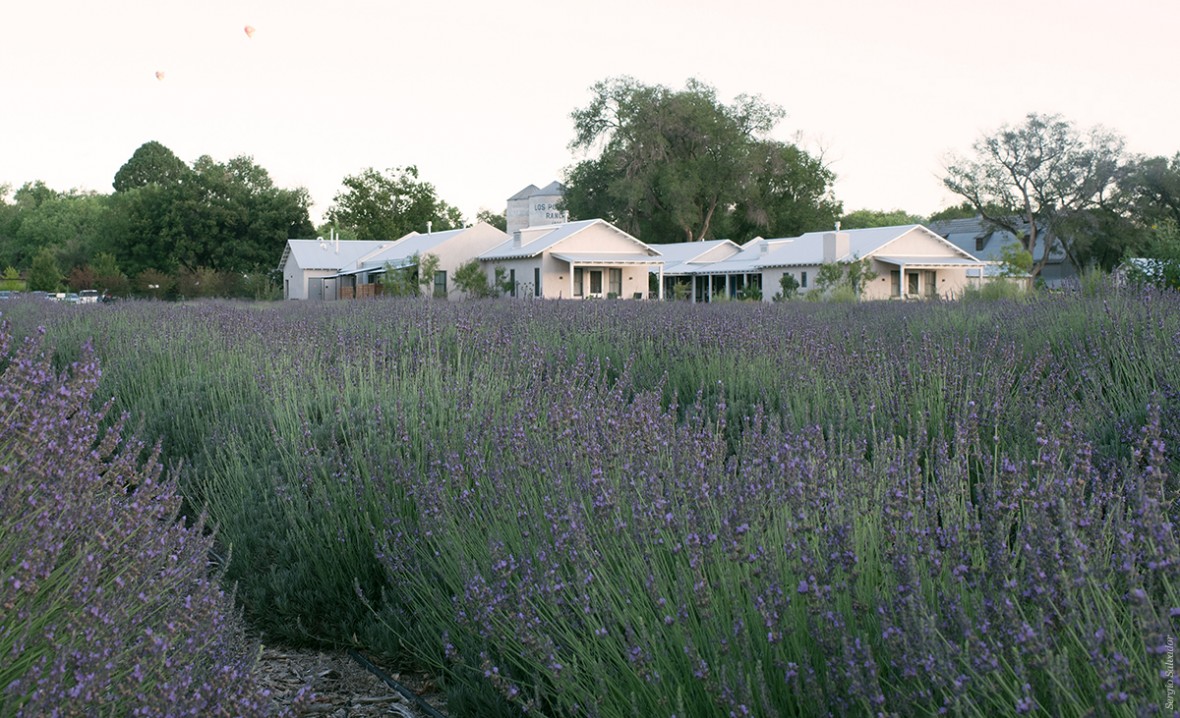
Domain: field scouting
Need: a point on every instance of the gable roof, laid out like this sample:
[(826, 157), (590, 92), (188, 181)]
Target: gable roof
[(987, 242), (543, 238), (525, 193), (551, 189), (679, 256), (807, 250), (327, 254)]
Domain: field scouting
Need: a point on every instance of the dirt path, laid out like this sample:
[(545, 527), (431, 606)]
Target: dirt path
[(341, 687)]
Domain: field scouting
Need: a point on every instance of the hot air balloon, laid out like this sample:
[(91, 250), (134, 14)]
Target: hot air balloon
[(159, 74), (249, 30)]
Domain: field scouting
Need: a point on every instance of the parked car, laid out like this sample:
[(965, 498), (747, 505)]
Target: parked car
[(88, 296)]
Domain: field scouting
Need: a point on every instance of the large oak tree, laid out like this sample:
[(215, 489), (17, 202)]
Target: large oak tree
[(679, 165), (1042, 181), (219, 216)]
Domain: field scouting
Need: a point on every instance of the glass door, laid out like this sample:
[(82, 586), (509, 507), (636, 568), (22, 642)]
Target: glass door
[(596, 282)]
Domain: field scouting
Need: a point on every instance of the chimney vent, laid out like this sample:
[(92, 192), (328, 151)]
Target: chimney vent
[(836, 246)]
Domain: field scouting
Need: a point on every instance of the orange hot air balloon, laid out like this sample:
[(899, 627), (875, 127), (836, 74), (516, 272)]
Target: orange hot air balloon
[(249, 30), (159, 74)]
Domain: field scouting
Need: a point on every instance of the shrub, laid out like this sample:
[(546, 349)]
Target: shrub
[(107, 606), (789, 288), (995, 290), (471, 279)]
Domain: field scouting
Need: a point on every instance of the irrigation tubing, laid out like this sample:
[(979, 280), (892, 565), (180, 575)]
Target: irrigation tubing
[(413, 697)]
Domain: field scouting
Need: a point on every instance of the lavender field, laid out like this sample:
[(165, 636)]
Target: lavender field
[(641, 509)]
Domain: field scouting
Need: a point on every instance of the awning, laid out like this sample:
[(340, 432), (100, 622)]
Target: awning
[(609, 258), (931, 262), (376, 268)]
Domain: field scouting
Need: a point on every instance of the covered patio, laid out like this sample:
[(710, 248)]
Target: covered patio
[(601, 274), (929, 277)]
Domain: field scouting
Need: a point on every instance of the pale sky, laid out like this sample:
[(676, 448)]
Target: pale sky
[(478, 94)]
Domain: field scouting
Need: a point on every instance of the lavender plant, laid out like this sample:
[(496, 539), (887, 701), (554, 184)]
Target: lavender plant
[(644, 509), (107, 603)]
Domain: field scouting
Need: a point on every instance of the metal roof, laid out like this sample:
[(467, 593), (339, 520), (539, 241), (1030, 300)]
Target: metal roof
[(920, 262), (608, 258), (525, 193), (969, 233), (326, 254), (546, 237), (807, 250), (551, 189), (680, 256)]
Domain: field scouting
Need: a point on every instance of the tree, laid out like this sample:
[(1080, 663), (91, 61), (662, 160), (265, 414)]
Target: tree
[(154, 283), (499, 221), (73, 224), (108, 278), (379, 206), (472, 280), (80, 278), (851, 277), (869, 218), (226, 217), (44, 275), (400, 281), (682, 166), (1015, 261), (963, 210), (1151, 189), (10, 280), (1038, 176), (151, 163), (789, 193), (788, 288), (428, 265), (1158, 262)]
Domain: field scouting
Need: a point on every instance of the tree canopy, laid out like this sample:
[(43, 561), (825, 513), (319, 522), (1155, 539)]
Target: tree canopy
[(1043, 175), (679, 165), (868, 218), (389, 205), (151, 163), (499, 220), (221, 216)]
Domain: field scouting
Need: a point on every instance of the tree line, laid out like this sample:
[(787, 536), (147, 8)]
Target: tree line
[(665, 165), (209, 228), (679, 165)]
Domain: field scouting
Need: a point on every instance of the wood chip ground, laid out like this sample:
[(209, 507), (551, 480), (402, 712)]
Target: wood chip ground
[(341, 687)]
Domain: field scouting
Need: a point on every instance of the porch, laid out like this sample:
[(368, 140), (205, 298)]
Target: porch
[(924, 277), (601, 275)]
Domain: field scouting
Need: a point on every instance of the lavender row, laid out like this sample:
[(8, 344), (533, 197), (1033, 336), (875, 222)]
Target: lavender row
[(607, 508), (107, 601)]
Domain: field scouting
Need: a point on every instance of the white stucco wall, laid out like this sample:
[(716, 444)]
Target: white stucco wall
[(461, 249), (295, 279), (557, 279)]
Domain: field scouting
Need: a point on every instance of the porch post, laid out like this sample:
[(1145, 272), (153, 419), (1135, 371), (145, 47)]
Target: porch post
[(660, 286), (571, 279)]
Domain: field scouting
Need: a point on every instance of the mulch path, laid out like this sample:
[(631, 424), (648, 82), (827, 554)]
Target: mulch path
[(341, 687)]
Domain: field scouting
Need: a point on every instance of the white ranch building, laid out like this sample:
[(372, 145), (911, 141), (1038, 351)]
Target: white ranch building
[(349, 269), (910, 262), (578, 260)]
